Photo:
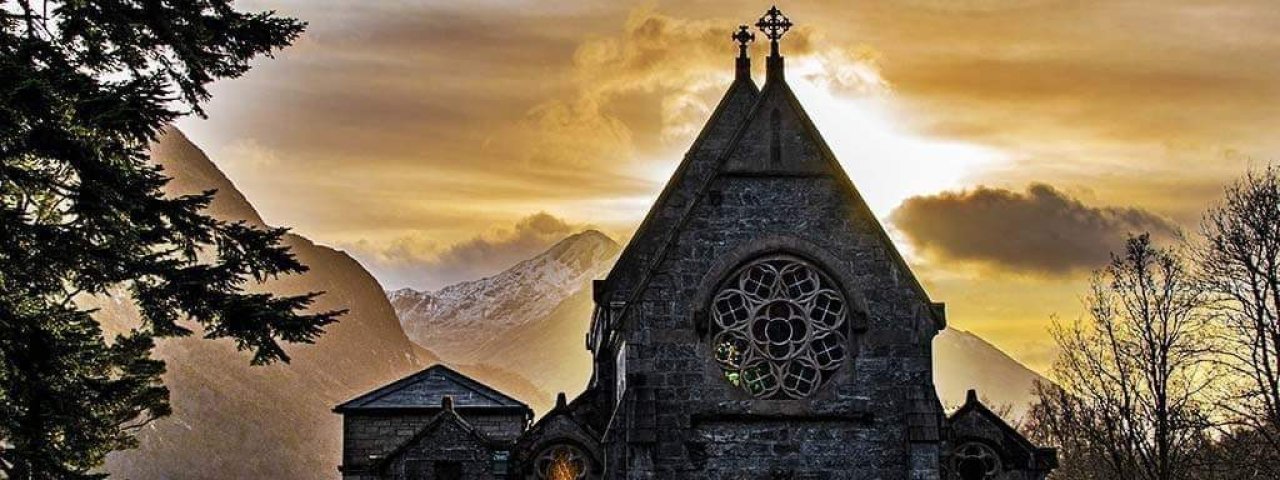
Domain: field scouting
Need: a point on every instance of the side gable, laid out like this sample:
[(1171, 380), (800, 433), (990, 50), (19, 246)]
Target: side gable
[(561, 424), (447, 431), (975, 422), (427, 389)]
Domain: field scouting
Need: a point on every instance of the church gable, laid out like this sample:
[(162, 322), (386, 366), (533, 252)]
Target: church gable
[(984, 447), (776, 299), (778, 139), (776, 169)]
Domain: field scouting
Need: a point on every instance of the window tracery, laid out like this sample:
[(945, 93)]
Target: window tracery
[(976, 461), (779, 329), (561, 462)]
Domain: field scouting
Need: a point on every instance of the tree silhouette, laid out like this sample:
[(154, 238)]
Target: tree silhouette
[(84, 88), (1131, 377), (1240, 260)]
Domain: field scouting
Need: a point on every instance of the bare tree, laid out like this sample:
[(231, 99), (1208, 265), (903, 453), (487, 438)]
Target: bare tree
[(1240, 260), (1084, 453), (1132, 374)]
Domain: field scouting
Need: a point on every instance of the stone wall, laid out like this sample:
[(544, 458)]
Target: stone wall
[(366, 435), (499, 427), (709, 429), (448, 450)]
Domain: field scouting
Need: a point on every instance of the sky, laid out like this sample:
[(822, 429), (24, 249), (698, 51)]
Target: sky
[(1007, 145)]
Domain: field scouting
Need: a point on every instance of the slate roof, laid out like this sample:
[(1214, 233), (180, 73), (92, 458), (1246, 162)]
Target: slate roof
[(426, 390)]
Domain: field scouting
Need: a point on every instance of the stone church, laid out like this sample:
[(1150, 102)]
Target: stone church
[(759, 325)]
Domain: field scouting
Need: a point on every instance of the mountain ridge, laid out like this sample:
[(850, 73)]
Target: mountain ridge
[(234, 420), (490, 306), (545, 343)]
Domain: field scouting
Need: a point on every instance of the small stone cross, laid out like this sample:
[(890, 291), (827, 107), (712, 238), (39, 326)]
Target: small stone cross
[(744, 36)]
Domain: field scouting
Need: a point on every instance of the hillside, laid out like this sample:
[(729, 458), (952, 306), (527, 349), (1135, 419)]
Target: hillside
[(232, 420), (962, 360)]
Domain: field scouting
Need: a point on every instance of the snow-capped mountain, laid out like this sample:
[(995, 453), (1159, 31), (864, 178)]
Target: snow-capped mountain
[(531, 318), (458, 321)]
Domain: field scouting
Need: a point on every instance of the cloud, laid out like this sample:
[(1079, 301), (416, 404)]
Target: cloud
[(1042, 230), (680, 65), (419, 262)]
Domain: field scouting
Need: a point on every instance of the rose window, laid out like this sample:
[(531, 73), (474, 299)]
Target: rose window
[(561, 462), (975, 461), (779, 329)]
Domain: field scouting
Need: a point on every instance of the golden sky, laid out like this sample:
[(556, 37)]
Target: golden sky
[(1007, 144)]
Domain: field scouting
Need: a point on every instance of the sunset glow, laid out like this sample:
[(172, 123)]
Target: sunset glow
[(412, 133)]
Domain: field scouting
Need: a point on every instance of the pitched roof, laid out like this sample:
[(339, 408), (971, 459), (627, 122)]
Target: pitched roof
[(441, 420), (1043, 458), (655, 238), (426, 390), (973, 406)]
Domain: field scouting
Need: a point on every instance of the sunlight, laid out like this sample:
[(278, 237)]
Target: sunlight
[(867, 131), (887, 162)]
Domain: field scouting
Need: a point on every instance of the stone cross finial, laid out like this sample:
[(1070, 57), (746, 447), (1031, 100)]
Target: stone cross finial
[(744, 36), (774, 25)]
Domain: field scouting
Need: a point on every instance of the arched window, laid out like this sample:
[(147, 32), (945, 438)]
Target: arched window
[(562, 462), (975, 461), (779, 328)]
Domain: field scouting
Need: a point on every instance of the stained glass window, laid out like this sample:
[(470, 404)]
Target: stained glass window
[(779, 329), (561, 462)]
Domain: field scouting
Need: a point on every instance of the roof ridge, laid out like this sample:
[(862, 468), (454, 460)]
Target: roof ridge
[(380, 392), (472, 385)]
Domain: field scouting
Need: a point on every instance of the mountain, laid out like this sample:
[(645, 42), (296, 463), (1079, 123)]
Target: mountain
[(532, 320), (962, 360), (232, 420)]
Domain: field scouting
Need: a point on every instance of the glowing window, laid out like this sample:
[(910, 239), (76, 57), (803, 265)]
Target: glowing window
[(561, 462)]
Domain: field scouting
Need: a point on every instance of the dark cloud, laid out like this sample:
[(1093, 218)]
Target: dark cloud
[(1042, 230), (418, 262)]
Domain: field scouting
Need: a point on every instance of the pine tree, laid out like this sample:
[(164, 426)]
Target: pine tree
[(85, 87)]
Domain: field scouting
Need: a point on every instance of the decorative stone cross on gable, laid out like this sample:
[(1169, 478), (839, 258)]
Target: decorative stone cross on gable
[(774, 25), (744, 36)]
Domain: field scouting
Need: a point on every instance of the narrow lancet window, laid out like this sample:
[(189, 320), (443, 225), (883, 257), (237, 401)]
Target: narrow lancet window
[(775, 139)]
